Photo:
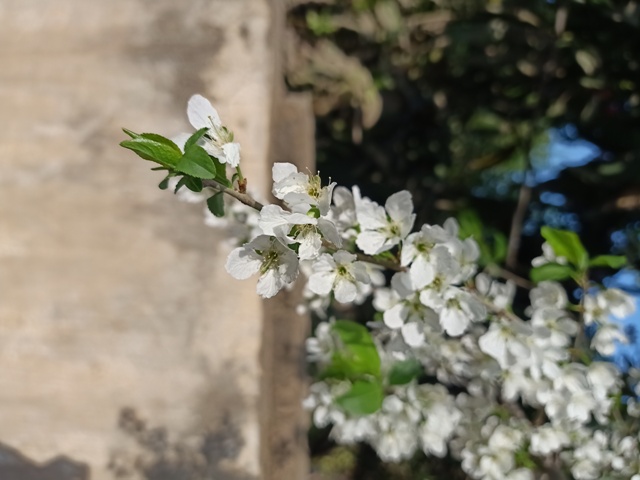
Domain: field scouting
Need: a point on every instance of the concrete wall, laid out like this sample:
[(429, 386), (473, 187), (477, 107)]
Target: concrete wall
[(112, 293)]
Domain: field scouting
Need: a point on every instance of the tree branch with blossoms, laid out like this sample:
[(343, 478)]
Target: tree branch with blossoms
[(446, 366)]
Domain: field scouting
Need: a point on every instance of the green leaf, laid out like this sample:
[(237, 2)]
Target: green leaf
[(612, 261), (357, 355), (216, 204), (364, 398), (566, 244), (551, 271), (500, 246), (130, 133), (221, 177), (193, 139), (153, 147), (405, 371), (197, 163), (180, 184), (193, 184)]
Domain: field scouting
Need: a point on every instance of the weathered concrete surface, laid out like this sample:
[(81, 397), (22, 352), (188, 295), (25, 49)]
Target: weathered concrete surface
[(112, 293)]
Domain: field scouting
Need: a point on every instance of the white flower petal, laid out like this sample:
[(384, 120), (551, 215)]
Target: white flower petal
[(371, 216), (280, 171), (269, 284), (399, 206), (329, 231), (201, 113), (395, 316), (343, 257), (345, 291), (372, 242), (453, 321), (321, 283), (310, 246), (412, 334), (422, 272), (243, 262), (231, 154)]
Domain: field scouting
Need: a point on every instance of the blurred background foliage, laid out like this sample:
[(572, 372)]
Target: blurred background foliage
[(507, 114)]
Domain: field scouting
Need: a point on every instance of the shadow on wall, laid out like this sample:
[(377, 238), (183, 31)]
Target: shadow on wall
[(204, 457), (15, 466)]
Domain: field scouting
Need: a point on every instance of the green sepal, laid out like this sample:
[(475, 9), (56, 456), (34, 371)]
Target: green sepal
[(164, 184), (314, 212), (364, 398), (153, 147), (611, 261), (566, 243), (196, 162), (215, 204), (551, 271), (193, 139), (403, 372)]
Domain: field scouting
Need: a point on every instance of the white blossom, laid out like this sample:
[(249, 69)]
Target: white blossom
[(298, 228), (383, 228), (339, 272), (218, 140), (276, 263), (299, 190)]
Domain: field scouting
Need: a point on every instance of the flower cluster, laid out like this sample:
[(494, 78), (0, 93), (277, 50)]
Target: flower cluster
[(448, 367)]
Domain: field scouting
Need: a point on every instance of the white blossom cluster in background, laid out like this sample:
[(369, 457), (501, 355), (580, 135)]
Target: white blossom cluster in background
[(506, 396)]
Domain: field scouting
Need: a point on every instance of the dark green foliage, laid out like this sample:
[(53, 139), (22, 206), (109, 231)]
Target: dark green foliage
[(455, 100)]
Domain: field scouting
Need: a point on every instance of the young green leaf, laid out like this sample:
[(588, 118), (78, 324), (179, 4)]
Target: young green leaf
[(551, 271), (197, 163), (180, 184), (153, 147), (364, 398), (216, 204), (405, 371), (193, 139), (130, 133), (566, 244), (611, 261), (357, 355)]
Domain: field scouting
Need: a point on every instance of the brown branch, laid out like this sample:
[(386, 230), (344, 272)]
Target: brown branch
[(516, 223), (241, 197), (524, 197), (507, 275)]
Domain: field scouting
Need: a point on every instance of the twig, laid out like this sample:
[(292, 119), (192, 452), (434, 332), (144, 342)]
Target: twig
[(517, 220), (507, 275), (524, 197), (242, 197)]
